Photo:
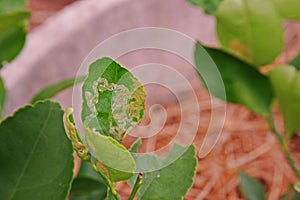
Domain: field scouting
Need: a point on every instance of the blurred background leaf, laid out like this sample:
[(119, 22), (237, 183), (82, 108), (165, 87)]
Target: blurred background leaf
[(7, 6), (250, 188), (52, 90), (296, 62), (243, 84), (285, 81), (13, 21), (250, 29), (209, 6)]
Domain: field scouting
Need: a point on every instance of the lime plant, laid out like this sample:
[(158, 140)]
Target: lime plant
[(34, 140), (38, 140), (251, 35), (38, 155), (113, 103)]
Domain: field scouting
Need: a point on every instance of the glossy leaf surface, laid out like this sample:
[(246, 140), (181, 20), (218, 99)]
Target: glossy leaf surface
[(172, 181), (243, 84), (36, 155)]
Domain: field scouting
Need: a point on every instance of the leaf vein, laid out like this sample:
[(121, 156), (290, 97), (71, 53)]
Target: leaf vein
[(30, 155)]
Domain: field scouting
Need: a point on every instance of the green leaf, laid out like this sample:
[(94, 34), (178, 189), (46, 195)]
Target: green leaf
[(296, 62), (209, 6), (251, 188), (113, 99), (173, 181), (286, 85), (12, 43), (243, 84), (288, 9), (88, 184), (250, 29), (114, 160), (12, 35), (7, 6), (134, 147), (35, 154), (2, 97), (52, 90), (10, 20)]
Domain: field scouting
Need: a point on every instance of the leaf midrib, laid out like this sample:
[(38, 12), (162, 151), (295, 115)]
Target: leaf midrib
[(30, 155)]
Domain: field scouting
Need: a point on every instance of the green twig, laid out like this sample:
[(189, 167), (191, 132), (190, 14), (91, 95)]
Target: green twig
[(109, 184), (284, 145), (136, 186)]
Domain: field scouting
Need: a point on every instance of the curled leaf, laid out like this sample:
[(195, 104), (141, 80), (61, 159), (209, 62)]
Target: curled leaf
[(74, 136)]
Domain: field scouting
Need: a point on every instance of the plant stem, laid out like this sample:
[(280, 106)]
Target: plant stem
[(136, 186), (284, 145), (109, 184), (113, 191)]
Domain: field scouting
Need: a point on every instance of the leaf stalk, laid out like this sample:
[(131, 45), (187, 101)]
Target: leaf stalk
[(136, 186), (284, 145)]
